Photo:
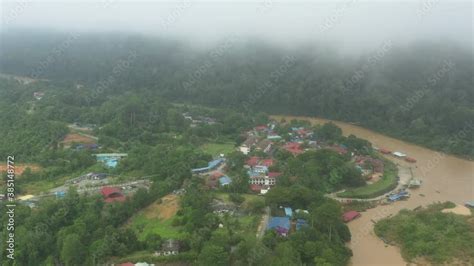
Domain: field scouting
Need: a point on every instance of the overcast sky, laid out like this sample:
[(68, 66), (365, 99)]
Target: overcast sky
[(349, 23)]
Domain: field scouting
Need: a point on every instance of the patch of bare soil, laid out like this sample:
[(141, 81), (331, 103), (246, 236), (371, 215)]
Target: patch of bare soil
[(459, 209), (20, 168), (77, 138), (166, 209)]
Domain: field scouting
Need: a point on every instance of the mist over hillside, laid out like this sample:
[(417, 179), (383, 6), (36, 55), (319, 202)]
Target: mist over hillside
[(403, 68), (421, 92)]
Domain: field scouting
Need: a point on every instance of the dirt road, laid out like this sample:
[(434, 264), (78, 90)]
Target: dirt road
[(263, 223)]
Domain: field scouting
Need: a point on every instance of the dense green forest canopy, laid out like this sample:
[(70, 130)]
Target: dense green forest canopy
[(420, 92)]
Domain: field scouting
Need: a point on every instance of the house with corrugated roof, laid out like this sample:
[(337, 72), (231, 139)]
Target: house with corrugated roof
[(248, 144), (281, 225), (112, 194), (225, 180)]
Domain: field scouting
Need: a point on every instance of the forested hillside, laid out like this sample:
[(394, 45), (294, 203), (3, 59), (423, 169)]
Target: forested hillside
[(422, 92)]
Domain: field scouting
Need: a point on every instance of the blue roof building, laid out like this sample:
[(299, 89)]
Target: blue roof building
[(301, 223), (110, 159), (215, 163), (252, 173), (262, 169), (398, 196), (210, 166), (288, 212), (111, 163), (280, 224), (60, 194), (225, 181), (296, 128)]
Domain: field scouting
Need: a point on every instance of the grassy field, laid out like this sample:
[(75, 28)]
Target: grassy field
[(36, 188), (225, 197), (249, 222), (218, 148), (144, 226), (385, 184), (157, 218)]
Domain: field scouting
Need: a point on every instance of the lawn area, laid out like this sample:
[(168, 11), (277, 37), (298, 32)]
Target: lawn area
[(36, 188), (157, 218), (250, 222), (218, 148), (385, 184), (225, 197), (144, 226)]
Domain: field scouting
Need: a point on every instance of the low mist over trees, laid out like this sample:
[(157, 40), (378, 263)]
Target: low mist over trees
[(421, 92)]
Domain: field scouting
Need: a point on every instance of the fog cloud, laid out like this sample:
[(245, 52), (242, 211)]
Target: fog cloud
[(345, 24)]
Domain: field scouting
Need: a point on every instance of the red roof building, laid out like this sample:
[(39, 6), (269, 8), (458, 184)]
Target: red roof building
[(112, 194), (293, 147), (302, 132), (256, 188), (274, 174), (376, 164), (350, 215), (216, 175), (267, 162), (261, 128), (253, 161), (338, 149), (385, 151)]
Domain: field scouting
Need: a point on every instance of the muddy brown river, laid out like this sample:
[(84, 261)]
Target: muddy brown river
[(444, 177)]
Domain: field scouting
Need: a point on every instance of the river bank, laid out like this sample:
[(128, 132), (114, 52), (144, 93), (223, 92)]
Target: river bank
[(445, 178)]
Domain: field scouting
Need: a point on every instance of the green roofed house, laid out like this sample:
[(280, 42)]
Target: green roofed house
[(274, 137)]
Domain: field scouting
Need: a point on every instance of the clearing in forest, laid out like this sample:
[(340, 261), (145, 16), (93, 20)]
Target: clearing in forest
[(218, 148), (166, 209), (78, 138), (20, 168), (157, 218)]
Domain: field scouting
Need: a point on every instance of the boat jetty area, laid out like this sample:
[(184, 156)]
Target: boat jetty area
[(396, 154), (406, 179), (406, 184)]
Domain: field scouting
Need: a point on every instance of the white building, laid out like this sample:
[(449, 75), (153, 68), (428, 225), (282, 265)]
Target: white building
[(399, 154)]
